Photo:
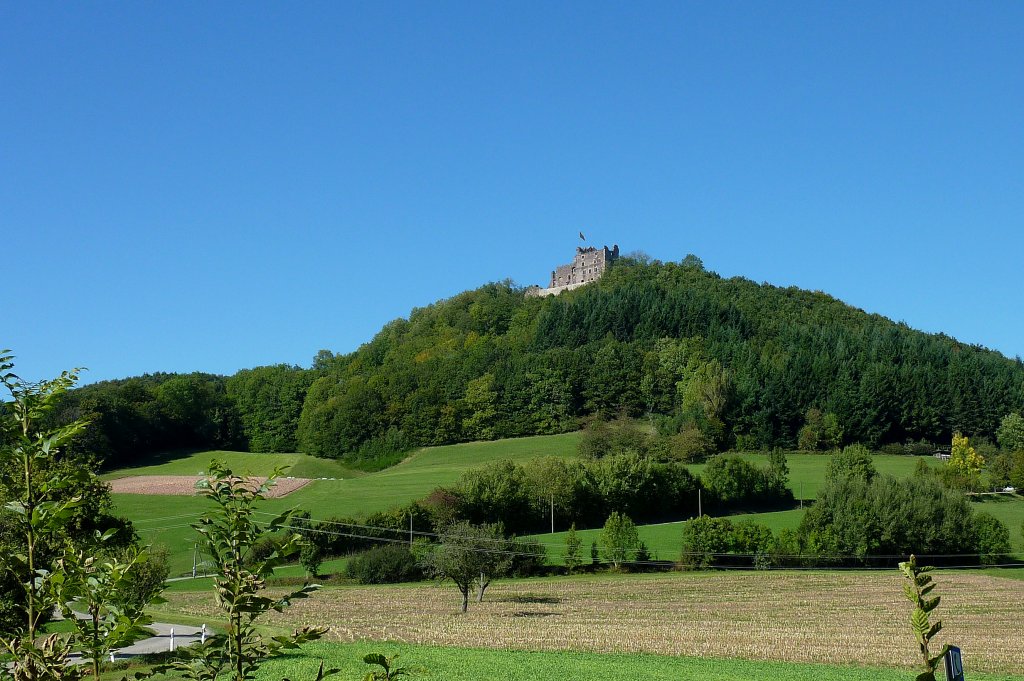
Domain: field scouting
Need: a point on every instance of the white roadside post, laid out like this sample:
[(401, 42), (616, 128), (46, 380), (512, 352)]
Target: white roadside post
[(172, 639), (202, 638)]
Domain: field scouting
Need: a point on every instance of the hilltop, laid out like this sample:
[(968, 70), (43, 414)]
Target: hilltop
[(720, 362)]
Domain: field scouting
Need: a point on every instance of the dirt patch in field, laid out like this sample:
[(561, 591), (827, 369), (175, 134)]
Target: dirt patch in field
[(185, 485)]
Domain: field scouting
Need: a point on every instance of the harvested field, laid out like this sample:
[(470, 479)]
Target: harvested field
[(844, 618), (185, 485)]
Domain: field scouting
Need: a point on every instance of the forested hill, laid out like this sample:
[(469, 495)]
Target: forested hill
[(723, 362)]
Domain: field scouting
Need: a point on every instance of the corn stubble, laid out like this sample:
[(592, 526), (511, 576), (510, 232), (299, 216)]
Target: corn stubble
[(844, 618)]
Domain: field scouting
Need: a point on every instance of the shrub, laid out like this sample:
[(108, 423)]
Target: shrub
[(310, 557), (619, 539), (529, 557), (752, 538), (386, 564), (691, 445), (734, 482), (919, 448), (993, 538), (263, 548), (785, 550), (887, 516), (703, 538), (852, 461), (147, 577), (623, 435), (381, 451), (893, 449)]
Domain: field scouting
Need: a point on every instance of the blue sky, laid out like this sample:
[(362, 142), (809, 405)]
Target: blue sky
[(211, 186)]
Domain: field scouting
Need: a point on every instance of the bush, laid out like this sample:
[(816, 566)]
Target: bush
[(752, 538), (854, 519), (387, 564), (310, 557), (993, 538), (734, 482), (853, 461), (147, 578), (619, 539), (919, 448), (529, 557), (703, 538), (263, 548), (381, 451), (621, 436), (691, 445)]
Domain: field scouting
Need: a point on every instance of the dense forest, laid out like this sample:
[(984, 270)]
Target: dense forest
[(716, 363)]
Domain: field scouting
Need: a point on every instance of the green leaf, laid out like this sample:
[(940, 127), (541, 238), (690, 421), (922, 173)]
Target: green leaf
[(919, 622), (376, 658)]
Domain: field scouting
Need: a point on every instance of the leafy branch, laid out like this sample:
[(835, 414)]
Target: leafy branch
[(917, 589)]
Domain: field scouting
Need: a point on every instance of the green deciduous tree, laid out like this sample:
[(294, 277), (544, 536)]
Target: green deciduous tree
[(469, 555), (1011, 432), (103, 589), (993, 538), (55, 555), (38, 511), (573, 543), (481, 411), (619, 539), (703, 539), (854, 461)]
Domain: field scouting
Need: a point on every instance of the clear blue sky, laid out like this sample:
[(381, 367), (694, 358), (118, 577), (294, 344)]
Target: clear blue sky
[(211, 186)]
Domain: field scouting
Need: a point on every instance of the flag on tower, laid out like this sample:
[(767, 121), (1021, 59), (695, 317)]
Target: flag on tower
[(583, 237)]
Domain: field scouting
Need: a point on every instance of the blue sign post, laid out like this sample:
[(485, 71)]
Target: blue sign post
[(954, 664)]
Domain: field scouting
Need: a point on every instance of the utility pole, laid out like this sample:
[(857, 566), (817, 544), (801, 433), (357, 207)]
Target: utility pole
[(700, 505), (552, 513), (195, 552), (410, 529), (801, 495)]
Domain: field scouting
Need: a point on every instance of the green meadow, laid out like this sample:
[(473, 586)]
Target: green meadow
[(663, 540), (470, 664), (166, 519)]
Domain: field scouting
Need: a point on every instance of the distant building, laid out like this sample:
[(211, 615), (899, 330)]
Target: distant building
[(588, 265)]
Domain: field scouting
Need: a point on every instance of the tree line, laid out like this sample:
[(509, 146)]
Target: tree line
[(718, 363)]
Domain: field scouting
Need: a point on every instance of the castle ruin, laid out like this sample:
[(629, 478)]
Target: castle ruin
[(588, 265)]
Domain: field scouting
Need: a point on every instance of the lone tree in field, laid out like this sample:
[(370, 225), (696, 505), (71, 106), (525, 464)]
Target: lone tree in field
[(619, 539), (469, 555)]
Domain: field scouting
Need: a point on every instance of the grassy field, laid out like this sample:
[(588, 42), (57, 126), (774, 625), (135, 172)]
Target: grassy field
[(166, 519), (471, 664), (812, 617), (1010, 510), (663, 540), (807, 471)]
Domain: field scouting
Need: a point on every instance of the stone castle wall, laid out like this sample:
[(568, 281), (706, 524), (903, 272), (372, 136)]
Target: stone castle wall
[(588, 265)]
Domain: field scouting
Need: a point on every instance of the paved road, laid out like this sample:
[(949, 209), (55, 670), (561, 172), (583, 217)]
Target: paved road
[(184, 635)]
